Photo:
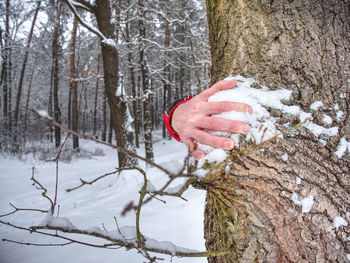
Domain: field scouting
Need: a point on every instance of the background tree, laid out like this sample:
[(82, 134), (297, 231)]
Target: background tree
[(302, 46)]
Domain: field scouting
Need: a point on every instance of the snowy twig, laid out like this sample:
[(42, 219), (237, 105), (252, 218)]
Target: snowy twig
[(81, 21), (122, 242), (35, 182), (33, 230)]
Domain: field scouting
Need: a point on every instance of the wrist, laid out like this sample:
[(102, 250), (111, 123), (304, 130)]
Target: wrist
[(168, 116)]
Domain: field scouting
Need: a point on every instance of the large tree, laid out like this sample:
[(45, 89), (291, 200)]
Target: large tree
[(104, 12), (304, 46)]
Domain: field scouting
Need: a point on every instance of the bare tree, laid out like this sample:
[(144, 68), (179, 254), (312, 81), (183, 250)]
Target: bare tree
[(24, 65), (74, 84), (55, 75), (302, 46), (147, 107)]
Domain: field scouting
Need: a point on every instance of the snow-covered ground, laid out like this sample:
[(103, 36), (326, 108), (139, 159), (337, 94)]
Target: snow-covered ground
[(177, 221)]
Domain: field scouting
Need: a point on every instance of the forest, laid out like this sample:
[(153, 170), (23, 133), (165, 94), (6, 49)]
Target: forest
[(51, 61)]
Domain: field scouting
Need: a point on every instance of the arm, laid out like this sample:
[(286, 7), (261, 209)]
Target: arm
[(189, 119)]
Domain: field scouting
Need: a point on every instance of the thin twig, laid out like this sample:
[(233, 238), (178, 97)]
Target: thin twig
[(41, 187), (87, 137), (16, 209), (57, 160), (83, 182), (37, 245)]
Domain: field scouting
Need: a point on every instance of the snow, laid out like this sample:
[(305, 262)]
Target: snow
[(339, 221), (343, 146), (44, 114), (315, 105), (348, 257), (52, 221), (327, 119), (176, 223), (109, 42), (285, 157), (217, 155), (298, 180), (338, 112), (306, 203)]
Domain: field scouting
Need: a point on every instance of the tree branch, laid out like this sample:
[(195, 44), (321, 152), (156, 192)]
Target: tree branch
[(81, 21), (87, 137)]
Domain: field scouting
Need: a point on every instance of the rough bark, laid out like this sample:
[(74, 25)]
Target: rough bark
[(118, 108), (303, 46)]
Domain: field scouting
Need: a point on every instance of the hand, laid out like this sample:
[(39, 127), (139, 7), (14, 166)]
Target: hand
[(190, 118)]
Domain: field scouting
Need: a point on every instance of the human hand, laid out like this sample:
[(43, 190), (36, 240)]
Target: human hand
[(191, 118)]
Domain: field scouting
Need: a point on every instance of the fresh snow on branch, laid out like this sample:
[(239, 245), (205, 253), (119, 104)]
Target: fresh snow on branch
[(124, 236)]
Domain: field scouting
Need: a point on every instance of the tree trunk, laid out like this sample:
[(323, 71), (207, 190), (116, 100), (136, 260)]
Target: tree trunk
[(147, 106), (74, 85), (24, 65), (96, 95), (118, 108), (133, 84), (56, 107), (29, 94), (104, 117), (302, 46), (5, 69)]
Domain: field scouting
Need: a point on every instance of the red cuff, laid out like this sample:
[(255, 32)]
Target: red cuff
[(167, 119)]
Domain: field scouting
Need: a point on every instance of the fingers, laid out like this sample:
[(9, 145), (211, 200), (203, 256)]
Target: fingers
[(212, 140), (221, 85), (220, 124), (224, 106)]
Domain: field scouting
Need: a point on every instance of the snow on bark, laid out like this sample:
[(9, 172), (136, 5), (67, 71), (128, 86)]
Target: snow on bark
[(263, 125)]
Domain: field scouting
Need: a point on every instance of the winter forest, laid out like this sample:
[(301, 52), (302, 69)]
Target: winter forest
[(51, 62), (90, 173)]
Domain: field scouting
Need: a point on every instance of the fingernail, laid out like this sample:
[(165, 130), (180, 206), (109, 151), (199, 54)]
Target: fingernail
[(245, 128), (229, 144)]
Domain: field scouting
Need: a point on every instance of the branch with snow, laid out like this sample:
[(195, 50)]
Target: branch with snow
[(81, 21)]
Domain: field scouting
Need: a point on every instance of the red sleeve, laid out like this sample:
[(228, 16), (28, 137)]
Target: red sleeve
[(168, 114)]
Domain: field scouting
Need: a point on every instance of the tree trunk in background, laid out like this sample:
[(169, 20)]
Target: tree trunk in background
[(147, 106), (29, 94), (110, 129), (74, 85), (133, 84), (96, 94), (303, 46), (56, 106), (5, 69), (104, 118), (24, 65), (118, 108)]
